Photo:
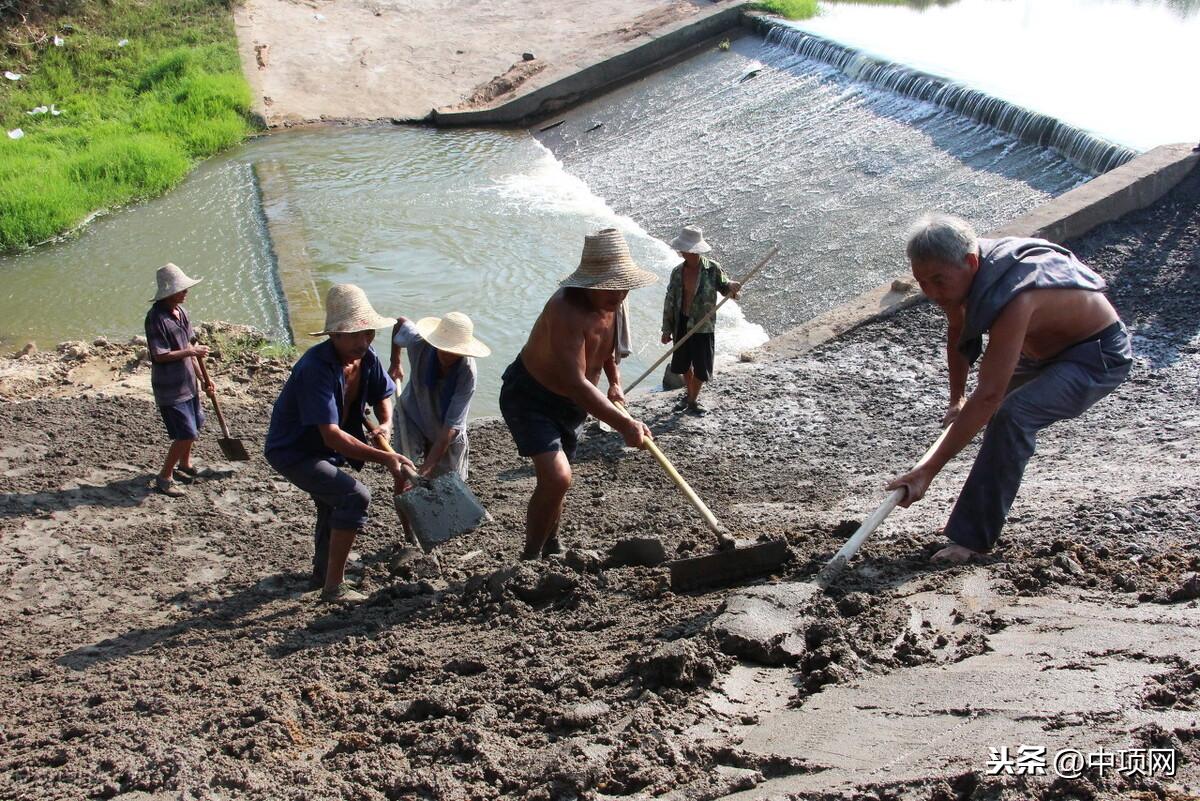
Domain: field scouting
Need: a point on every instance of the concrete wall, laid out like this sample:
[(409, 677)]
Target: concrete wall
[(1134, 185), (599, 78)]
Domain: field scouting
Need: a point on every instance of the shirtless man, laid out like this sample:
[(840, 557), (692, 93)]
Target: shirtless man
[(1055, 347), (551, 387)]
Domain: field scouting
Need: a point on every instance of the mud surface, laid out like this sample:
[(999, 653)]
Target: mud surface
[(161, 648)]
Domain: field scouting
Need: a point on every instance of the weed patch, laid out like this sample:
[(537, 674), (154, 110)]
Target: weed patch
[(144, 90)]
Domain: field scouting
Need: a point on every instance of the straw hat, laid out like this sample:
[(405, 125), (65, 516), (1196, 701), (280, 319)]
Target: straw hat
[(171, 281), (691, 240), (454, 333), (347, 311), (606, 264)]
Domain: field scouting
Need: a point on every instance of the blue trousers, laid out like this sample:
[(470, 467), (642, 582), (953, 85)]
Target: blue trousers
[(341, 502), (1041, 393)]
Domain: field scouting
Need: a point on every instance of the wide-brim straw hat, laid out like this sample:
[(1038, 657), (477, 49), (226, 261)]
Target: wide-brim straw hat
[(454, 333), (347, 311), (691, 240), (606, 264), (172, 281)]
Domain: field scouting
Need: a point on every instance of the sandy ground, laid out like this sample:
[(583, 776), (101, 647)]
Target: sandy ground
[(312, 60), (162, 648)]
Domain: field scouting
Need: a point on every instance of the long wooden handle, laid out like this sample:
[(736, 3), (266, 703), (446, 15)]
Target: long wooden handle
[(383, 445), (709, 518), (212, 396), (745, 280), (839, 560)]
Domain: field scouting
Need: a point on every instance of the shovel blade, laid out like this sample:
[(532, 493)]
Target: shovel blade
[(441, 509), (233, 450), (728, 567)]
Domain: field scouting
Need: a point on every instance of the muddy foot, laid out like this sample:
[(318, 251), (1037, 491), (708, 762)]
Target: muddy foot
[(954, 554)]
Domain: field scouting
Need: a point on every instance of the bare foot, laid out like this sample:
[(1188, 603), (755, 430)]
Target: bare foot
[(955, 554)]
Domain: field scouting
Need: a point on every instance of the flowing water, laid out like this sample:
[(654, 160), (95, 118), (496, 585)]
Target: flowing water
[(761, 144), (1123, 69), (426, 221)]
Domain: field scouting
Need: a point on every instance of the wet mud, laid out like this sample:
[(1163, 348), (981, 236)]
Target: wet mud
[(160, 648)]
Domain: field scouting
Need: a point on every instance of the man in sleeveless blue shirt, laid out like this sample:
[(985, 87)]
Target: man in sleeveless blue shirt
[(1055, 347)]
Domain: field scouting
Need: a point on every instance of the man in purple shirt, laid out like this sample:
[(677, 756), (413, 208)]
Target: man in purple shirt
[(170, 340)]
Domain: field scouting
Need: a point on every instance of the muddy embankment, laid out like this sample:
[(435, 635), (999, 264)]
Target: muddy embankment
[(160, 648)]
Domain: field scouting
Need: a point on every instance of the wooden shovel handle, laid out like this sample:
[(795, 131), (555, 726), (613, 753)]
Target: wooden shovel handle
[(745, 280), (383, 445), (709, 518), (212, 396), (838, 562)]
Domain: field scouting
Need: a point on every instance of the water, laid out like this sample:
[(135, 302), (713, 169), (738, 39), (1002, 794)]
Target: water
[(425, 221), (759, 145), (101, 281), (1124, 69)]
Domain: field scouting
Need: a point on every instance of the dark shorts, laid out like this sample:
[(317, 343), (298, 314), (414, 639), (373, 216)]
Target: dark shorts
[(697, 354), (540, 420), (184, 419)]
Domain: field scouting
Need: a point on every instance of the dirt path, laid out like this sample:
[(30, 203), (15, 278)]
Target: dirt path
[(311, 60), (165, 649)]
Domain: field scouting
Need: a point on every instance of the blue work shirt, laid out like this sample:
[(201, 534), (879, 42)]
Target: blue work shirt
[(313, 396), (172, 382)]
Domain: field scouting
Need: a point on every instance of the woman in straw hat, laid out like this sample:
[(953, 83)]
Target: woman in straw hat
[(551, 387), (435, 404), (691, 294), (317, 425), (173, 376)]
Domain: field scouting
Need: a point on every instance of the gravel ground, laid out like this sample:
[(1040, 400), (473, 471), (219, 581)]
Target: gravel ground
[(164, 648)]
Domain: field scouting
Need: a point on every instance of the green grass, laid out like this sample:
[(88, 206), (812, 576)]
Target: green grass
[(789, 9), (135, 118)]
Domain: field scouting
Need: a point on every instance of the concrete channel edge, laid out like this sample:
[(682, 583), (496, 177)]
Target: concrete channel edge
[(600, 77), (1134, 185)]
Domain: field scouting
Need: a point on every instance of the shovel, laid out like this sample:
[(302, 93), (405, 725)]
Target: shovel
[(436, 509), (829, 574), (233, 449), (731, 562)]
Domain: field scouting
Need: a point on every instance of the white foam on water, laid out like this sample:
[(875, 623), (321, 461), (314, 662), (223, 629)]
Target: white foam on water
[(548, 186)]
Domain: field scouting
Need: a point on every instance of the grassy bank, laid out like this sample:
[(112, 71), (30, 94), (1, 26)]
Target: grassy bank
[(146, 88)]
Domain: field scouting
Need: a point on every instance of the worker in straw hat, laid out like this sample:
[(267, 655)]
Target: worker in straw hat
[(551, 386), (434, 406), (317, 426), (691, 294), (171, 342)]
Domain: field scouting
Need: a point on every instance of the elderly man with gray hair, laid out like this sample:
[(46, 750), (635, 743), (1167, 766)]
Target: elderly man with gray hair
[(1055, 347)]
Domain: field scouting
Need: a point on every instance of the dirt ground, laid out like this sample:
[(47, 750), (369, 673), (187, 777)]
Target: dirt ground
[(161, 648), (310, 60)]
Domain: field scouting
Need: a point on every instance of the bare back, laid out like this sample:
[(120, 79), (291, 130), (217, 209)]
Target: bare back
[(1060, 318), (569, 342)]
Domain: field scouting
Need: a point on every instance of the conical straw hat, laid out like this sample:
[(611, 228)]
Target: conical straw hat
[(606, 264), (691, 240), (454, 333), (171, 281), (347, 311)]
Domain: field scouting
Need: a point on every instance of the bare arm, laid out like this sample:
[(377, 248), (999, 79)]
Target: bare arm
[(339, 441), (179, 355), (438, 450), (612, 371), (995, 372), (396, 368), (957, 367)]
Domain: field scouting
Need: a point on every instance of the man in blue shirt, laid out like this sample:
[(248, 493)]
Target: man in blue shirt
[(317, 425), (171, 343)]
